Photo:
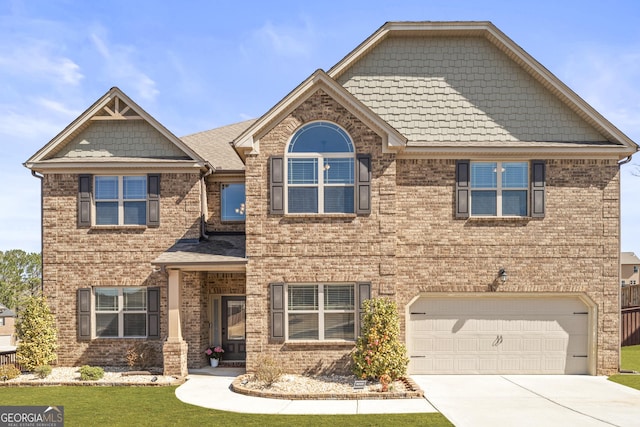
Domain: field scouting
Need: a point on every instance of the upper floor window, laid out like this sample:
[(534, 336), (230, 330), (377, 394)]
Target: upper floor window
[(635, 268), (120, 200), (232, 202), (499, 188), (320, 165)]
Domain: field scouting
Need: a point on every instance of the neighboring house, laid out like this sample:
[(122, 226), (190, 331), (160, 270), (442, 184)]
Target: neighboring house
[(437, 164), (7, 328), (629, 265)]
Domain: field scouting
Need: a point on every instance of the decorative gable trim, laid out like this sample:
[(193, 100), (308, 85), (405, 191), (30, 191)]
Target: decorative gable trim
[(248, 142)]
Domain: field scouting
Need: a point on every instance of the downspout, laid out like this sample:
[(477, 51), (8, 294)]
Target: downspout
[(41, 178), (203, 200)]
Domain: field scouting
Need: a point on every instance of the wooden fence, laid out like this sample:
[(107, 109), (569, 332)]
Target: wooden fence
[(630, 296), (630, 326), (8, 358)]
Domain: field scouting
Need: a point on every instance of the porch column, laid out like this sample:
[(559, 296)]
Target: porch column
[(175, 348)]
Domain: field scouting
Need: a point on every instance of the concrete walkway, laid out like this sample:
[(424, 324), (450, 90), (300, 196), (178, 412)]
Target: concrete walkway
[(209, 388), (531, 400)]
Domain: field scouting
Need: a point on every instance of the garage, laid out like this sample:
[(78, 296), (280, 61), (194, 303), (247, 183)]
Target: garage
[(504, 334)]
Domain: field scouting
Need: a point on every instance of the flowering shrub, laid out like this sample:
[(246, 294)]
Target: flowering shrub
[(214, 352), (379, 354)]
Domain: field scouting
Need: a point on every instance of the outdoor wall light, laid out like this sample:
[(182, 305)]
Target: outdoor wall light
[(502, 273)]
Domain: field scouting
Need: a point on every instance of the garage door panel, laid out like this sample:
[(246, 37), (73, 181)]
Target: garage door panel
[(498, 335)]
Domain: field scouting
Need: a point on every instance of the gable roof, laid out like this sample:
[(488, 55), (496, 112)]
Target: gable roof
[(627, 258), (613, 141), (249, 139), (115, 107), (5, 312), (215, 145)]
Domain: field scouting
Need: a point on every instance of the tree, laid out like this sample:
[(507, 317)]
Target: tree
[(379, 354), (19, 276), (36, 330)]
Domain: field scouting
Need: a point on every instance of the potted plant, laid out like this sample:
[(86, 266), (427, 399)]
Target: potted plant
[(214, 354)]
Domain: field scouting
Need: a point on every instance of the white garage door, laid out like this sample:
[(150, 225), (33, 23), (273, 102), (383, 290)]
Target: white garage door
[(498, 335)]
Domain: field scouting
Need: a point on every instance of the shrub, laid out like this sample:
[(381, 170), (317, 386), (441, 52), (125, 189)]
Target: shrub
[(141, 356), (9, 372), (43, 371), (379, 354), (36, 330), (91, 373), (268, 370)]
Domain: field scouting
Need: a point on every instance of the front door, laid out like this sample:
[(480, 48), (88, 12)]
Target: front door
[(233, 328)]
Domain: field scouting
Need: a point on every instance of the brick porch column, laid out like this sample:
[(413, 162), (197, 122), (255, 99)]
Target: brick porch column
[(175, 348)]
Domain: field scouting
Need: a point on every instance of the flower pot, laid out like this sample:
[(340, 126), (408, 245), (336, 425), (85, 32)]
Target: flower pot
[(214, 362)]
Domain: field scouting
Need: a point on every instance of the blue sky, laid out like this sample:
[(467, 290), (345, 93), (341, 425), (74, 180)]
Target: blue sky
[(197, 65)]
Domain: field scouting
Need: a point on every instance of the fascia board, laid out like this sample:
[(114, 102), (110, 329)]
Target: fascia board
[(96, 167)]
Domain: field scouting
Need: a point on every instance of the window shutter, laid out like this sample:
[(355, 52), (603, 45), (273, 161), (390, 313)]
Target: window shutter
[(363, 184), (364, 293), (462, 189), (538, 188), (153, 200), (153, 312), (277, 185), (277, 311), (84, 200), (84, 314)]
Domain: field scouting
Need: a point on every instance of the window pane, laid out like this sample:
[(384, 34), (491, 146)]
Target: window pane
[(483, 175), (515, 175), (303, 199), (338, 297), (338, 171), (303, 171), (483, 203), (106, 213), (339, 326), (303, 297), (514, 202), (303, 326), (233, 199), (135, 213), (135, 299), (106, 299), (107, 324), (106, 187), (134, 187), (135, 325), (338, 199), (321, 137)]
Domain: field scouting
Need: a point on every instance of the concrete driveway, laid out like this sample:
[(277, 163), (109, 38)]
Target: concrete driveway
[(531, 400)]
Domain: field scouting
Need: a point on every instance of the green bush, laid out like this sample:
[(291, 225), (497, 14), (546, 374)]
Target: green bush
[(43, 371), (379, 352), (9, 372), (91, 373), (36, 330)]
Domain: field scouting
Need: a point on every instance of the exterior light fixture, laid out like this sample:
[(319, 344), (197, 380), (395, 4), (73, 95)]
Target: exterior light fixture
[(502, 273)]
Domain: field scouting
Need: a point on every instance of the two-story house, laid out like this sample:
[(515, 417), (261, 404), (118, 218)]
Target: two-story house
[(629, 266), (437, 164)]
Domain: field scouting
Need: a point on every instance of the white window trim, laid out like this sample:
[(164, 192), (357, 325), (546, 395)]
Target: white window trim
[(499, 189), (321, 311), (121, 312), (120, 200)]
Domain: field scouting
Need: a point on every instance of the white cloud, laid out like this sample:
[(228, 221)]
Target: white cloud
[(28, 126), (287, 41), (38, 59), (57, 107)]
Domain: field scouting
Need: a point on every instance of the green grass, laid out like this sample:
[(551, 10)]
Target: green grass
[(630, 361), (158, 406)]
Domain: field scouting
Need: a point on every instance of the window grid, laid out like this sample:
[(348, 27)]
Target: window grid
[(123, 307), (496, 188), (120, 200)]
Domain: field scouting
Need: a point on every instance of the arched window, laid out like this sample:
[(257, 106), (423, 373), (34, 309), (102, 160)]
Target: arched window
[(320, 163)]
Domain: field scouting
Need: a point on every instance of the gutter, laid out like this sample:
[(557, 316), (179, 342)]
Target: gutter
[(41, 177), (624, 161)]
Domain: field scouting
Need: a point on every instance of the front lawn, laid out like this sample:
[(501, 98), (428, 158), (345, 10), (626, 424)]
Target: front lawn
[(158, 406), (630, 361)]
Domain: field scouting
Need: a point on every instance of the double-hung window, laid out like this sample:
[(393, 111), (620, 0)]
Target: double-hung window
[(320, 164), (321, 312), (120, 312), (499, 188), (120, 200)]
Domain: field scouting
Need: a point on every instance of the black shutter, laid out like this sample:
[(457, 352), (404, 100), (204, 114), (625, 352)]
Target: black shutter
[(538, 188), (277, 311), (84, 314), (363, 184), (276, 182), (462, 189), (84, 200), (364, 293), (153, 200), (153, 312)]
